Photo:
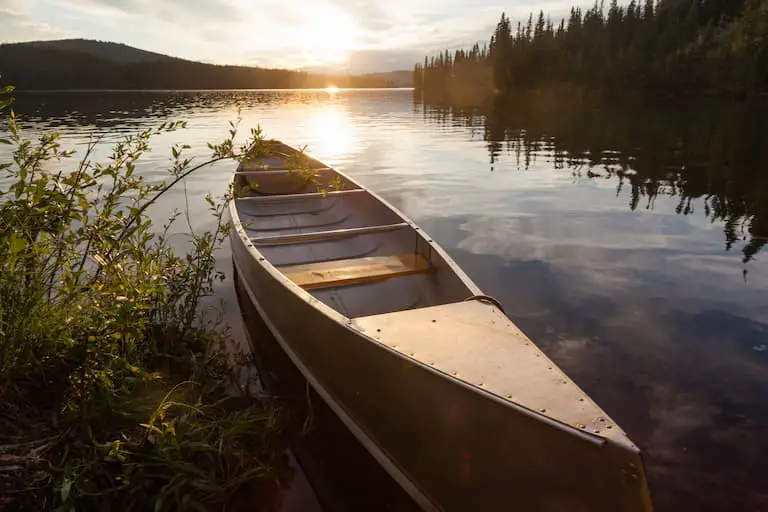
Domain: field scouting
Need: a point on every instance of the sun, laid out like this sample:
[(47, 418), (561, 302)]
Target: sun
[(331, 89), (327, 35)]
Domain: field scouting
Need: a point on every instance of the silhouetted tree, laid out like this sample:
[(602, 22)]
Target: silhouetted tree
[(673, 47)]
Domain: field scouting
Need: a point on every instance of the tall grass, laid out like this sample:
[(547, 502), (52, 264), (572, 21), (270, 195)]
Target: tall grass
[(114, 394)]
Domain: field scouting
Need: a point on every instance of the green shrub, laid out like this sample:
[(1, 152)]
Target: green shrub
[(115, 393)]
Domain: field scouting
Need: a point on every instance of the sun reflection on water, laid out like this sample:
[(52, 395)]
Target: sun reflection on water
[(333, 132)]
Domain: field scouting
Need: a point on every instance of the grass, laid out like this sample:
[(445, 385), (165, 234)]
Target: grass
[(116, 393)]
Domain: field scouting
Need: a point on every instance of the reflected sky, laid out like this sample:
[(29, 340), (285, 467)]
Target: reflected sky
[(643, 306)]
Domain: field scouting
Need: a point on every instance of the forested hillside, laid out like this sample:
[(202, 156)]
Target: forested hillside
[(82, 64), (670, 47), (116, 52)]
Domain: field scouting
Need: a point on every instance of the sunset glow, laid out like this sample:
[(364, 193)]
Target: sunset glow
[(327, 35)]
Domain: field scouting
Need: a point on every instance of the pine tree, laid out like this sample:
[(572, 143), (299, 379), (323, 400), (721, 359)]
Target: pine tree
[(671, 47)]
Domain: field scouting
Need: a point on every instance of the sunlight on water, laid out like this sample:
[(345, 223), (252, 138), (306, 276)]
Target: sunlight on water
[(333, 132)]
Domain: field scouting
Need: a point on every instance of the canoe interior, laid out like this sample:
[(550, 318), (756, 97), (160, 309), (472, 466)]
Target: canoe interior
[(274, 204), (438, 383)]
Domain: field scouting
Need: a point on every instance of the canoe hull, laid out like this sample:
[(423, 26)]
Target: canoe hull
[(450, 446)]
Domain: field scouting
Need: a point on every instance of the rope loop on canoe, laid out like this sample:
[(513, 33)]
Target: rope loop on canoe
[(487, 299)]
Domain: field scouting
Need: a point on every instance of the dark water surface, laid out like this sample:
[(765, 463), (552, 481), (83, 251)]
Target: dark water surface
[(627, 240)]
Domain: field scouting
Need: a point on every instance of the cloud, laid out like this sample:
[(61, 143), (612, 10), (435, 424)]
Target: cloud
[(172, 12), (26, 31), (17, 23), (370, 61), (371, 15), (14, 7), (90, 9)]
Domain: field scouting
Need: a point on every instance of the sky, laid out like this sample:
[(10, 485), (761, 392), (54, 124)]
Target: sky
[(355, 36)]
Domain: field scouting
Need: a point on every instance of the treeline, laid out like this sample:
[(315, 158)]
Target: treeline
[(463, 78), (670, 47), (38, 66)]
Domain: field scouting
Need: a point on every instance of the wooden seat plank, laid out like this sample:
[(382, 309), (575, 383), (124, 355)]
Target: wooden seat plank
[(355, 271)]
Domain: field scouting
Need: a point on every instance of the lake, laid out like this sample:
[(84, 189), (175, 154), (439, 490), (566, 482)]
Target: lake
[(627, 240)]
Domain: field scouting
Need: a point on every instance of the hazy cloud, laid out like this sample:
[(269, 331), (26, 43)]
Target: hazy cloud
[(17, 24), (26, 30), (369, 61), (371, 15), (14, 7)]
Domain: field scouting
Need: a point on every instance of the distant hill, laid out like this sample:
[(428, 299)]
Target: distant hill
[(85, 64), (115, 52), (398, 78)]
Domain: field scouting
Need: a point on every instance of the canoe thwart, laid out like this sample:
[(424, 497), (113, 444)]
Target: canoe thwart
[(280, 171), (355, 271), (298, 197), (319, 236)]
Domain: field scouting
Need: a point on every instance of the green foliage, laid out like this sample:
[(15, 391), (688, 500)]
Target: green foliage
[(5, 97), (116, 394), (674, 47)]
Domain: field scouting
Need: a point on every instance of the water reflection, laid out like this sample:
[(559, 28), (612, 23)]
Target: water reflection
[(610, 254), (617, 235), (335, 133), (705, 155)]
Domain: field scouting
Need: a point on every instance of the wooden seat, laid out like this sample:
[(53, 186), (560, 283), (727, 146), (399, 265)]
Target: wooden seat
[(328, 274)]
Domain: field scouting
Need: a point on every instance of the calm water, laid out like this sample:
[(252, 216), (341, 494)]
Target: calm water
[(625, 240)]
